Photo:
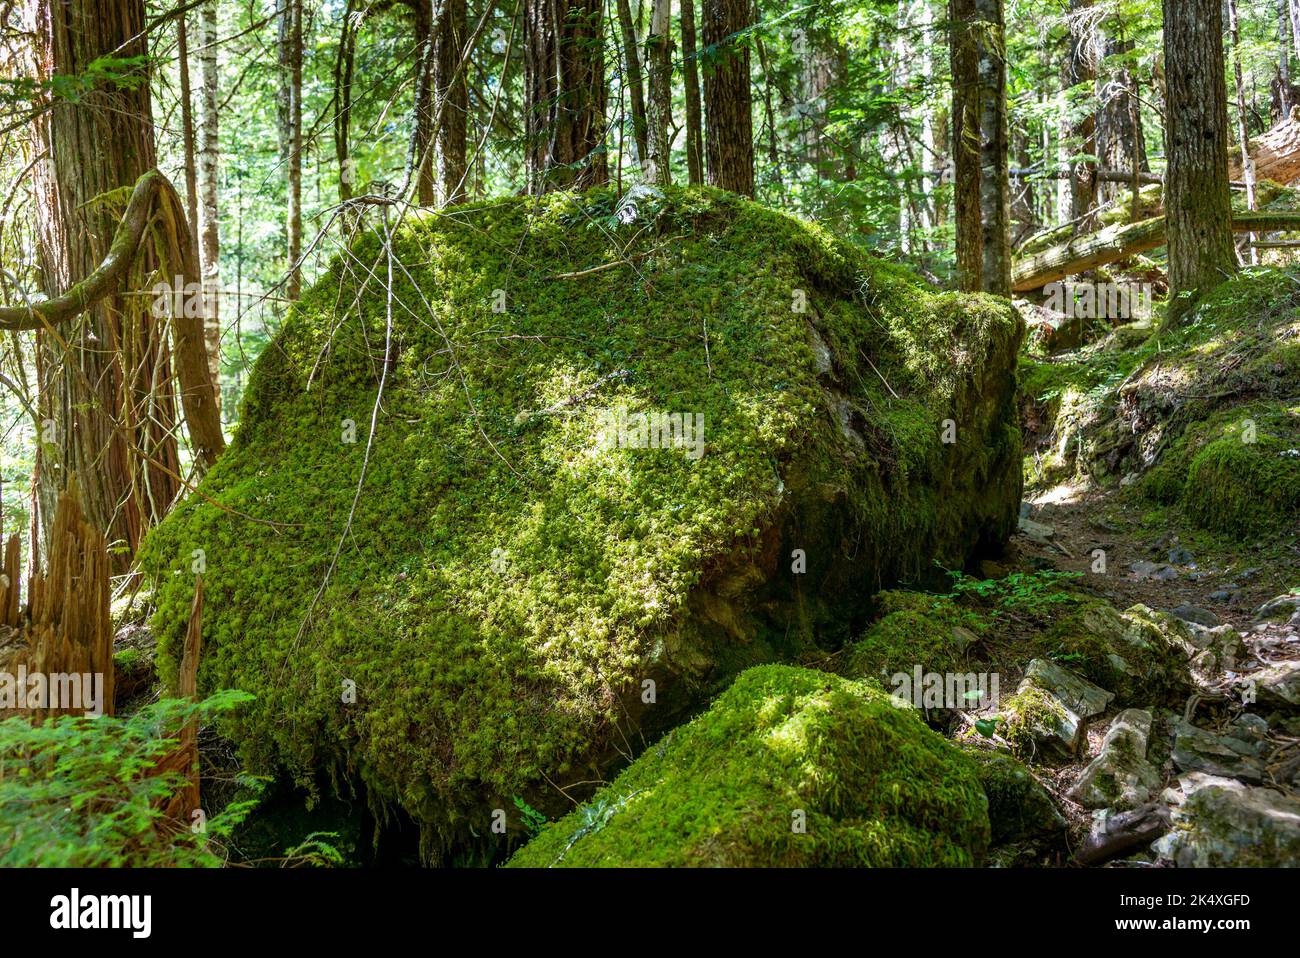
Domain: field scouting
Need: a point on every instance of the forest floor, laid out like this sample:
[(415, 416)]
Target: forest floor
[(1067, 528)]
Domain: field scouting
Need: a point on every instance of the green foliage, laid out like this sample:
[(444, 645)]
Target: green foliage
[(75, 793), (789, 767), (1031, 593)]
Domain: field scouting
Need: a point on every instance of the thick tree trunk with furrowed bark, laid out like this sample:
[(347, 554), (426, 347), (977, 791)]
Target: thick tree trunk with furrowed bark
[(564, 94), (729, 133), (1197, 205), (105, 399), (452, 98)]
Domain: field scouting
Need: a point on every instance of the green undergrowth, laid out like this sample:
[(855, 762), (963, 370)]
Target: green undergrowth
[(480, 615), (790, 767)]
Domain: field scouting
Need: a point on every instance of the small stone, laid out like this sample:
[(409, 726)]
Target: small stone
[(1038, 531), (1181, 556), (1222, 595), (1120, 777), (1193, 613)]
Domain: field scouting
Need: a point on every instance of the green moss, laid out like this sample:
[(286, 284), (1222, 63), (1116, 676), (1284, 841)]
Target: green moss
[(902, 640), (1030, 715), (1140, 655), (875, 787), (1237, 473), (1019, 807), (506, 582)]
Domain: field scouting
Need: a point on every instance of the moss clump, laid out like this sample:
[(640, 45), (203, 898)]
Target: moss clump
[(1140, 655), (902, 640), (1019, 807), (784, 747), (497, 590), (1031, 715)]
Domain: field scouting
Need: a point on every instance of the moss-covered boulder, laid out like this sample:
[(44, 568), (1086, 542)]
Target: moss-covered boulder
[(1142, 655), (789, 767), (527, 560), (914, 629), (1020, 808)]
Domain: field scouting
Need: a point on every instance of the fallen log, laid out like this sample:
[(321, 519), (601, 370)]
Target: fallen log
[(1120, 242), (1275, 152)]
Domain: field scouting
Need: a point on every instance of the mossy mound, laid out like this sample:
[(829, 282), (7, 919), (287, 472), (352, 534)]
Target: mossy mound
[(1020, 808), (497, 594), (905, 639), (1124, 406), (1141, 655), (1237, 472), (789, 767)]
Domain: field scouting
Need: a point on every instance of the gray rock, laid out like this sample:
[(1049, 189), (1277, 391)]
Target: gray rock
[(1073, 691), (1120, 777), (1223, 595), (1038, 531), (1278, 685), (1282, 606), (1181, 556), (1194, 613), (1051, 706), (1154, 570), (1243, 827), (1231, 756)]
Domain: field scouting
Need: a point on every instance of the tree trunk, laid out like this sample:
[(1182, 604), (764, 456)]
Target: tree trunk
[(982, 192), (291, 61), (729, 133), (1119, 130), (659, 114), (106, 404), (691, 79), (343, 68), (1079, 68), (187, 124), (1243, 137), (452, 94), (420, 159), (209, 151), (632, 82), (564, 95), (1197, 203), (1123, 241)]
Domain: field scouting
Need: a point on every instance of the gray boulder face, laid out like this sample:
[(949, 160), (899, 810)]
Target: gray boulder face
[(1220, 649), (1239, 753), (1278, 685), (1220, 825), (1281, 607), (1141, 655), (1193, 613), (1120, 777), (1050, 708)]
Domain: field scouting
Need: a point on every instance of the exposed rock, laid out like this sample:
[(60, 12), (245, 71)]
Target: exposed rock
[(1050, 708), (1283, 606), (1278, 685), (1141, 655), (1160, 572), (1193, 613), (1120, 777), (1221, 650), (512, 581), (789, 767), (1221, 826), (1235, 755), (1038, 531)]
